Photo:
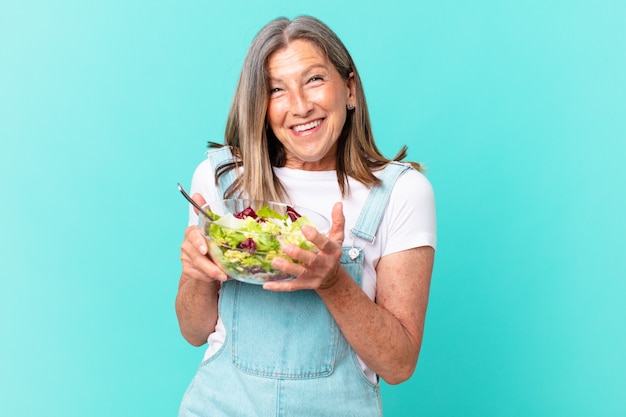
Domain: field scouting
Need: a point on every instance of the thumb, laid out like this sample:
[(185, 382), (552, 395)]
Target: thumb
[(198, 199), (336, 233)]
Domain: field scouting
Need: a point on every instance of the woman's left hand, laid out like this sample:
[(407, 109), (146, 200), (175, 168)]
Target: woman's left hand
[(317, 270)]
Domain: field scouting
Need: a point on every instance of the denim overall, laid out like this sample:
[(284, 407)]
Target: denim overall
[(284, 355)]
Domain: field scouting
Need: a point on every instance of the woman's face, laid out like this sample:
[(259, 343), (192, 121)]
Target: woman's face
[(307, 105)]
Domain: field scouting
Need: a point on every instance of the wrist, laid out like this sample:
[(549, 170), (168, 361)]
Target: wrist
[(203, 286), (332, 280)]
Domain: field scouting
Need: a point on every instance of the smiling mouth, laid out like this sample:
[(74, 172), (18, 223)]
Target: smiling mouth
[(307, 126)]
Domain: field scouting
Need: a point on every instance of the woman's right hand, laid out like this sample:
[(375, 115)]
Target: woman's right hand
[(194, 254), (198, 288)]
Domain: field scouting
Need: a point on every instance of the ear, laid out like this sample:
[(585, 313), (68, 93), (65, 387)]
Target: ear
[(351, 84)]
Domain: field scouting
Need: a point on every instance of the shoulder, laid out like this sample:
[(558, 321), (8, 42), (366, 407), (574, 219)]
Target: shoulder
[(203, 180), (413, 185), (203, 168), (411, 212), (214, 158)]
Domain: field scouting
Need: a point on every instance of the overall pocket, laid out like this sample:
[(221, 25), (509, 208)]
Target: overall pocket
[(282, 335)]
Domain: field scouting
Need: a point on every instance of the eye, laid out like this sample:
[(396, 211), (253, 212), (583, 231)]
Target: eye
[(275, 90), (316, 78)]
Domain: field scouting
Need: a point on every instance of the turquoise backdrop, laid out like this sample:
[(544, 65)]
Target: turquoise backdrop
[(517, 108)]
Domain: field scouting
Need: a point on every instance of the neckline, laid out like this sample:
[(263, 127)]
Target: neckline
[(304, 174)]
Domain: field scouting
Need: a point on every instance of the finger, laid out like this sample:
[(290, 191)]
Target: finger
[(194, 255), (285, 286), (288, 267), (210, 270), (196, 239), (197, 197), (322, 242), (201, 268), (315, 237), (289, 285), (336, 233)]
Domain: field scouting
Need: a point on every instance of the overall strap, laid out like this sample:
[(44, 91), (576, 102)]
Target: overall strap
[(217, 158), (372, 213)]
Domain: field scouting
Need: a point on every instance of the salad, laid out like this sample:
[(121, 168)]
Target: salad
[(245, 242)]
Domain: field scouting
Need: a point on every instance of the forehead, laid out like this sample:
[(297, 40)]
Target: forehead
[(298, 55)]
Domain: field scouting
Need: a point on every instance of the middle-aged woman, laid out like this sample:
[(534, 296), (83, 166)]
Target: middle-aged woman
[(299, 132)]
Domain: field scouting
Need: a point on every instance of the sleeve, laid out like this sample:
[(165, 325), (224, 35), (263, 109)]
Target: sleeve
[(410, 218), (202, 182)]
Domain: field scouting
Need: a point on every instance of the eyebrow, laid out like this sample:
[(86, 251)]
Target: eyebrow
[(308, 69)]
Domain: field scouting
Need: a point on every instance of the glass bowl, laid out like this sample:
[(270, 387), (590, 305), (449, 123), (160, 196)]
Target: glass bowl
[(247, 234)]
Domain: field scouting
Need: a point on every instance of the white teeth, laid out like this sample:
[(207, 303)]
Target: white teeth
[(311, 125)]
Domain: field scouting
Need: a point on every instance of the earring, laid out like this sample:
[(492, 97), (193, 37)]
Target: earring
[(350, 106)]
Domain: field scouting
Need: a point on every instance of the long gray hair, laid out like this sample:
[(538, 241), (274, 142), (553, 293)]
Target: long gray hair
[(254, 144)]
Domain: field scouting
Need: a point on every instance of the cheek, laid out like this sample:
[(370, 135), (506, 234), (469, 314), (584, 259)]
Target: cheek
[(271, 111), (334, 100), (274, 115)]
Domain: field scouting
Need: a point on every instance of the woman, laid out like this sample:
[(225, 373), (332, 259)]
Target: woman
[(299, 132)]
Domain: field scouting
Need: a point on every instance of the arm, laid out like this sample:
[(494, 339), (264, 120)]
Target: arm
[(386, 334), (198, 288)]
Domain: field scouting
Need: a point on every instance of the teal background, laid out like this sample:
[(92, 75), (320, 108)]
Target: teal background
[(516, 108)]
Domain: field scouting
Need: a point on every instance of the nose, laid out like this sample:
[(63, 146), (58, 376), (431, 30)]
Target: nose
[(300, 105)]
